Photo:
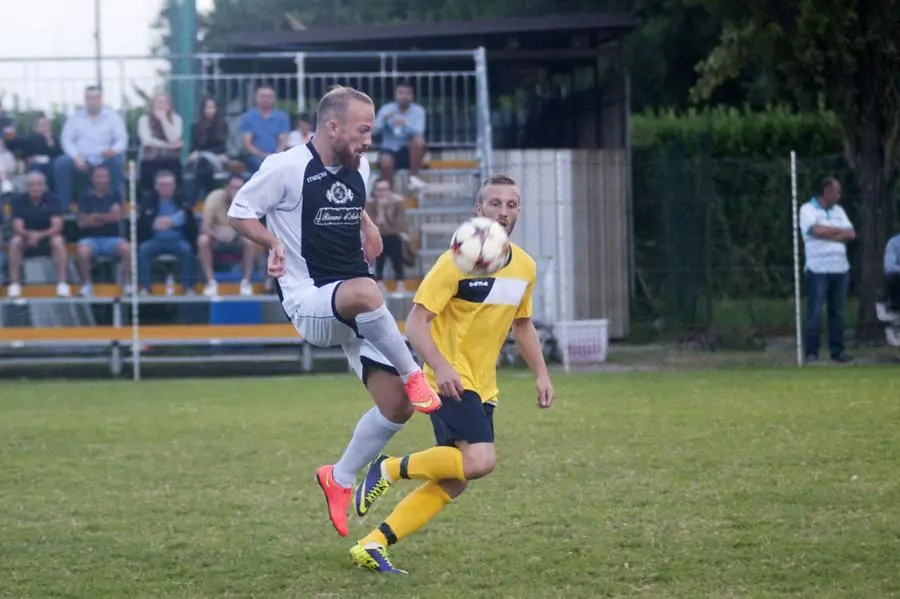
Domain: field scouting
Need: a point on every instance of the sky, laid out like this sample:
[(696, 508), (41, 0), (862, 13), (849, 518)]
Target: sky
[(51, 29)]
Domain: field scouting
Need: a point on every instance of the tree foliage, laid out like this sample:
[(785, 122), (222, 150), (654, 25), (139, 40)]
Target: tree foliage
[(843, 55)]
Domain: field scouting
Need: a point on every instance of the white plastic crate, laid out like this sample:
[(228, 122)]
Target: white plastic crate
[(582, 341)]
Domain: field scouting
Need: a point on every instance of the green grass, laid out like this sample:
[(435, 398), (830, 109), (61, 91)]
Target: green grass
[(749, 483)]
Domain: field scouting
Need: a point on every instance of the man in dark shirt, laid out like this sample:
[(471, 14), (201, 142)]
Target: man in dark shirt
[(37, 231), (165, 227), (100, 221), (41, 148)]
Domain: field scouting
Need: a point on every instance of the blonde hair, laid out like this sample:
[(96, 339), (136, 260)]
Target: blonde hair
[(496, 179), (334, 103)]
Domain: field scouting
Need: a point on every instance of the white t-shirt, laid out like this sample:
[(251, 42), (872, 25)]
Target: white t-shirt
[(315, 211), (824, 255)]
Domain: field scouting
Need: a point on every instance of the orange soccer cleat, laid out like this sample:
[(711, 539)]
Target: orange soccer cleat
[(421, 395), (336, 497)]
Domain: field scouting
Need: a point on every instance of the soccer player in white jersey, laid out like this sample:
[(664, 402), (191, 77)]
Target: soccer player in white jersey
[(319, 239)]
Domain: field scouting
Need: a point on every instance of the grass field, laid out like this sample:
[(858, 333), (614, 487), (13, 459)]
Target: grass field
[(740, 483)]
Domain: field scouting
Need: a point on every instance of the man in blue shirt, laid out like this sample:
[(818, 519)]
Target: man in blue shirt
[(401, 125), (264, 129), (892, 272), (92, 136), (165, 227), (100, 222)]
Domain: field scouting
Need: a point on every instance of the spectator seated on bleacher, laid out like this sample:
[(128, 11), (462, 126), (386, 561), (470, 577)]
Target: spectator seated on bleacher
[(8, 169), (401, 125), (166, 226), (37, 231), (2, 252), (302, 133), (92, 136), (160, 132), (387, 209), (40, 149), (100, 223), (264, 129), (217, 235), (208, 160)]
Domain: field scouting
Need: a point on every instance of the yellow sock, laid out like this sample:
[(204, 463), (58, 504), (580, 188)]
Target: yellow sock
[(437, 463), (410, 515)]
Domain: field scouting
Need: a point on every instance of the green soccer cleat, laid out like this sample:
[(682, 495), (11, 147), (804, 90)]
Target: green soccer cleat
[(372, 486), (373, 557)]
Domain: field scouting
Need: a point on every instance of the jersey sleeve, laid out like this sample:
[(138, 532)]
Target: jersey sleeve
[(526, 306), (439, 285), (807, 218), (263, 192)]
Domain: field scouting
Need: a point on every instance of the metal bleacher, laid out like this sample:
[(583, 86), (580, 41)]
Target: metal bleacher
[(39, 328)]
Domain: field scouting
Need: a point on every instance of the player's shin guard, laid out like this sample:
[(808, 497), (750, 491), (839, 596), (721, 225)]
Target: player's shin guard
[(436, 463), (411, 514), (380, 328)]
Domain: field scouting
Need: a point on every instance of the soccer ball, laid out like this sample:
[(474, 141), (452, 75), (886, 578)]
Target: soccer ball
[(480, 246)]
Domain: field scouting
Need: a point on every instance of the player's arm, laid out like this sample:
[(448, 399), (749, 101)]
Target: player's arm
[(262, 193), (434, 293), (529, 344)]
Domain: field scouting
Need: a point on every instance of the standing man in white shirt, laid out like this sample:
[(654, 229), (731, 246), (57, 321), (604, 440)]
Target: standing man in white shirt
[(826, 230)]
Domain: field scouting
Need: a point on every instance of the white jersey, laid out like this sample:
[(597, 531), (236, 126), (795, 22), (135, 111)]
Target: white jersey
[(315, 212), (823, 255)]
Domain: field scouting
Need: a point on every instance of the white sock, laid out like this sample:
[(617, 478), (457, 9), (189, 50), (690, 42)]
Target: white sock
[(372, 433), (380, 329)]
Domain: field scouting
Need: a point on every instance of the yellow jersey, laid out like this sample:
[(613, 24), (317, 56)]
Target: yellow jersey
[(474, 316)]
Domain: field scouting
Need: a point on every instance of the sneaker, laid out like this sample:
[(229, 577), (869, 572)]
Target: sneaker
[(842, 358), (128, 289), (372, 486), (421, 395), (14, 290), (87, 290), (63, 290), (211, 289), (246, 288), (337, 498), (373, 557), (416, 184)]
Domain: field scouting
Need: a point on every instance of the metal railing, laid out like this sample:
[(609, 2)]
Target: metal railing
[(450, 85)]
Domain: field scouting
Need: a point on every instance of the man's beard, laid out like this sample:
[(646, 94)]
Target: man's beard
[(347, 158)]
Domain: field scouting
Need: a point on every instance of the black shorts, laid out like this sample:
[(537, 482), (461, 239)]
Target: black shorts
[(467, 420), (401, 157), (42, 249)]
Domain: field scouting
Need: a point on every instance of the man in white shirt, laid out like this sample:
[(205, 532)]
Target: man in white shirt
[(892, 272), (319, 239), (826, 230)]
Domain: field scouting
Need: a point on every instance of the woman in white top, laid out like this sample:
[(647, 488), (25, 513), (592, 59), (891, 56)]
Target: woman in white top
[(302, 133), (161, 134)]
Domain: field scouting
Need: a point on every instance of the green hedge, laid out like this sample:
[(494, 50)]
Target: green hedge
[(739, 133), (712, 203)]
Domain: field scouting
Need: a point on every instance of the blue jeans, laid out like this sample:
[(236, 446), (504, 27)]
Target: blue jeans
[(64, 169), (819, 288), (152, 248)]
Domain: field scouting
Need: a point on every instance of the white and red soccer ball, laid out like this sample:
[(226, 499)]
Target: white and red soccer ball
[(480, 246)]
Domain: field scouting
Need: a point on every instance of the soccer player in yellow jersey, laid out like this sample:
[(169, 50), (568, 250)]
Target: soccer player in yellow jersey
[(458, 325)]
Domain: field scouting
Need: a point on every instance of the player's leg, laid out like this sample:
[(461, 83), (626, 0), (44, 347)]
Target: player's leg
[(372, 433), (473, 422), (359, 304)]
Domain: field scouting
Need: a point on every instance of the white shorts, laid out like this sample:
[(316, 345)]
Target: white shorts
[(318, 323)]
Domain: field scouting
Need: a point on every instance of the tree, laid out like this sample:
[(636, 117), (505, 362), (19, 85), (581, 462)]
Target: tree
[(843, 54)]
